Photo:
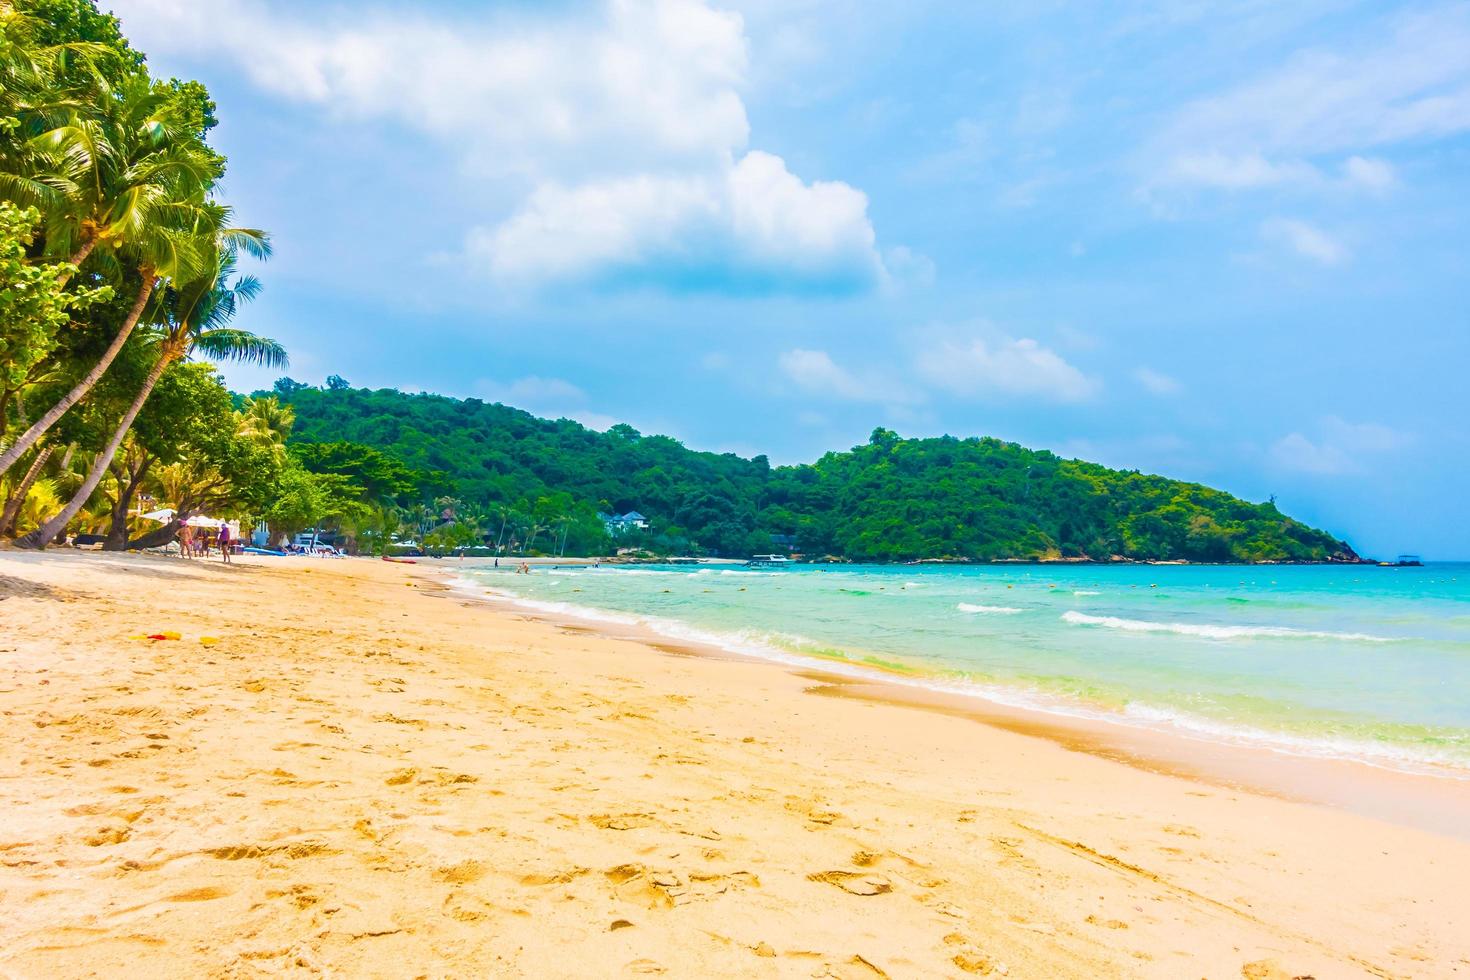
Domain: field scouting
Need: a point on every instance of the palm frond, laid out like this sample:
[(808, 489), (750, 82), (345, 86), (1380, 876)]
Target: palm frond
[(241, 346), (251, 241)]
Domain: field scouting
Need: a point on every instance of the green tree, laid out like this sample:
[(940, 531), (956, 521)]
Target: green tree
[(127, 175), (194, 315), (34, 305)]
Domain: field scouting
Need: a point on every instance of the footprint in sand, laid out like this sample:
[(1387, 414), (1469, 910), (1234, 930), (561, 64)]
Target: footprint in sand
[(621, 821), (302, 896), (1270, 970), (246, 852), (854, 882), (541, 878), (1106, 923), (462, 873), (107, 835), (205, 894)]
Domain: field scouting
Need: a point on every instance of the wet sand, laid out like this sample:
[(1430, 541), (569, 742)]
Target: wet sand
[(366, 776)]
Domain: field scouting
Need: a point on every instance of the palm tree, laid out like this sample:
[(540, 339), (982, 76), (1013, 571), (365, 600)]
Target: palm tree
[(268, 418), (267, 423), (18, 495), (131, 181), (194, 317)]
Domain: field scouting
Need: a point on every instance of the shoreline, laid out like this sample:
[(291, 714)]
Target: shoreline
[(361, 773), (1439, 803)]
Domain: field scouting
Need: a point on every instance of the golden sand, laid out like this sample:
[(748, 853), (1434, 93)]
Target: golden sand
[(366, 776)]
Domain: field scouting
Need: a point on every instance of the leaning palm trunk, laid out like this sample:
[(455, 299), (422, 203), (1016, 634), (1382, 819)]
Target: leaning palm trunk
[(159, 536), (18, 498), (76, 260), (30, 436), (117, 532), (47, 533)]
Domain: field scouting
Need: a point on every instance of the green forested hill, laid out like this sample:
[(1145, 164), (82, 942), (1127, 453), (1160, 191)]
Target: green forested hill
[(892, 499)]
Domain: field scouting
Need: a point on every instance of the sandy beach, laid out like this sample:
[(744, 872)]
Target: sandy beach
[(342, 768)]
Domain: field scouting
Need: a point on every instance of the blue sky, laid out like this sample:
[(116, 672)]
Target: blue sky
[(1224, 242)]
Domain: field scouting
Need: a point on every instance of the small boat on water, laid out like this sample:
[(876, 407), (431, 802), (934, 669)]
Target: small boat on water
[(759, 561), (1403, 561)]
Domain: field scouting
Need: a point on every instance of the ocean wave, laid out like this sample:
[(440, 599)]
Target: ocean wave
[(1086, 592), (970, 607), (1210, 632)]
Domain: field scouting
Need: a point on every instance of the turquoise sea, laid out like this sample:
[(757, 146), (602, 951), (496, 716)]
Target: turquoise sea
[(1341, 661)]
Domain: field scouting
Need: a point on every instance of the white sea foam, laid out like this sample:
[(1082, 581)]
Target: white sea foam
[(1086, 592), (970, 607), (1211, 632)]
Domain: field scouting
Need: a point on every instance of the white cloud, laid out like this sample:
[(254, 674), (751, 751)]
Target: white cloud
[(909, 267), (553, 398), (624, 126), (999, 365), (972, 363), (1338, 449), (1155, 382), (1408, 78), (531, 390), (1297, 452), (1374, 175), (756, 222), (1368, 437), (1236, 171), (1252, 171), (643, 81), (1305, 239), (815, 371)]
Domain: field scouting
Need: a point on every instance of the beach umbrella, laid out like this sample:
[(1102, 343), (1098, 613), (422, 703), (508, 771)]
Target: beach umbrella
[(162, 516)]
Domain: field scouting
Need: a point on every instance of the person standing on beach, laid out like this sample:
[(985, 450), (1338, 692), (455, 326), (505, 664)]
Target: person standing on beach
[(186, 541), (224, 541)]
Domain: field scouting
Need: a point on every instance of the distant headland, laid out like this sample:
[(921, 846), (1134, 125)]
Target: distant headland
[(488, 475)]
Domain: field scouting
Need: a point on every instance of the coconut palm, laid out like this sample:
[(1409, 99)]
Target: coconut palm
[(194, 317), (267, 423), (39, 84), (42, 499), (131, 183), (17, 495)]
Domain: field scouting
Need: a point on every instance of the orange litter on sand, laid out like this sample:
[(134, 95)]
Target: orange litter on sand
[(165, 635), (208, 641)]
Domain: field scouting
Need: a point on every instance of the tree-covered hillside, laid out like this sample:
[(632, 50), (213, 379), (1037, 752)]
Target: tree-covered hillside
[(892, 499)]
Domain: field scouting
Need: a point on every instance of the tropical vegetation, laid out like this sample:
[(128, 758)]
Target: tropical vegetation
[(117, 267), (517, 481)]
